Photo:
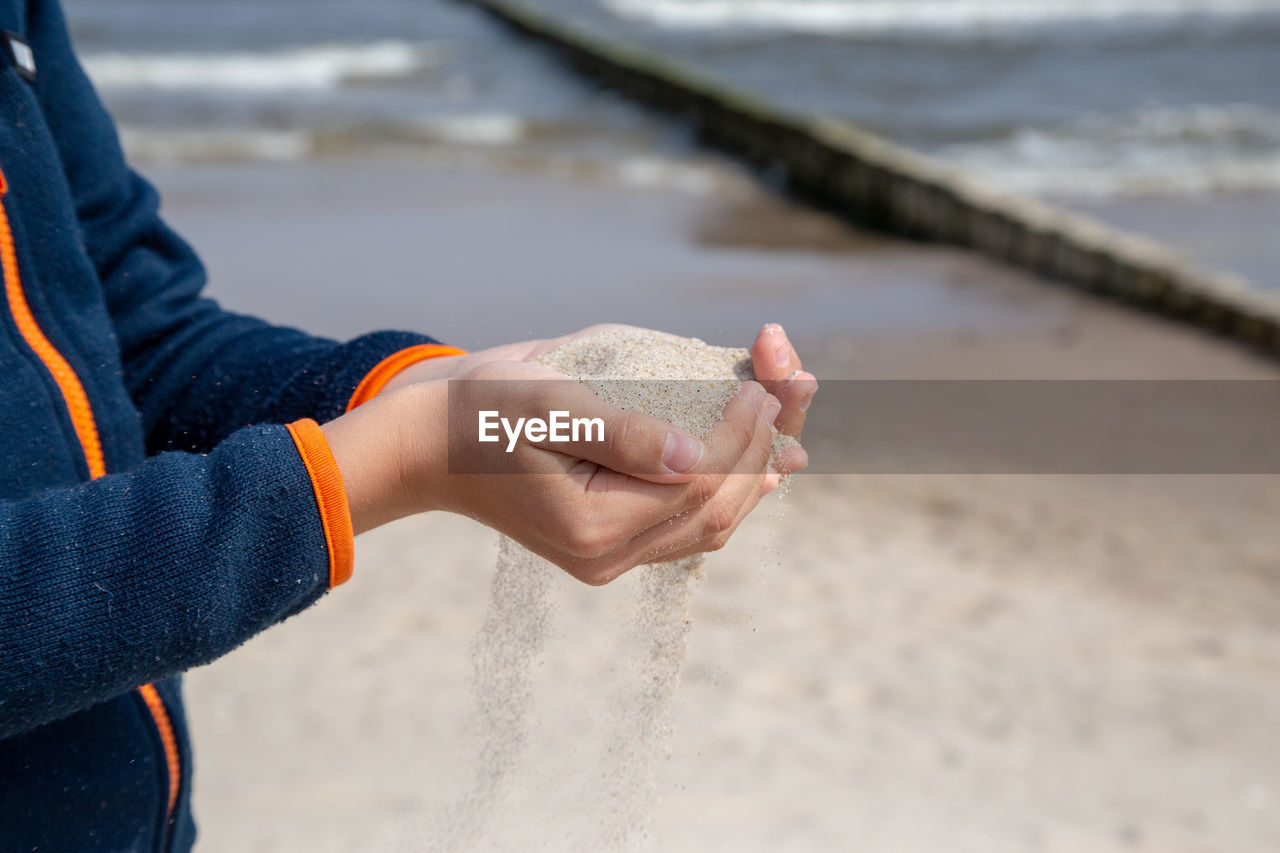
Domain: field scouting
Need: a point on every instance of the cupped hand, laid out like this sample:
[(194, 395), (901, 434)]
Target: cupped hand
[(774, 361), (646, 493)]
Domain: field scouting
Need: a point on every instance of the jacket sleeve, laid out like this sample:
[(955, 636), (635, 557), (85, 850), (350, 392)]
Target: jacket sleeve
[(138, 576), (195, 372)]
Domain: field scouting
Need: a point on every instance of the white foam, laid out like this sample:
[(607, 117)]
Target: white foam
[(1154, 151), (485, 129), (666, 174), (182, 146), (314, 67), (833, 17)]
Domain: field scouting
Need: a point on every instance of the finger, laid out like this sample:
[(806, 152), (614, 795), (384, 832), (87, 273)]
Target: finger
[(758, 488), (697, 530), (618, 506), (795, 393), (546, 411), (741, 495), (772, 357), (791, 460), (744, 427), (743, 424), (652, 449)]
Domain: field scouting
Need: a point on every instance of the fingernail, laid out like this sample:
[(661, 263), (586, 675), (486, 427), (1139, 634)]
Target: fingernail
[(759, 398), (772, 329), (807, 399), (771, 411), (681, 453)]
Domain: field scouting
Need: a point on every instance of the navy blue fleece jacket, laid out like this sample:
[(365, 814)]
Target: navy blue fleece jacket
[(155, 512)]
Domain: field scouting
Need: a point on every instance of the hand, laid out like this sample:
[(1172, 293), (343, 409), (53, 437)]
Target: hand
[(647, 493), (774, 362), (773, 359)]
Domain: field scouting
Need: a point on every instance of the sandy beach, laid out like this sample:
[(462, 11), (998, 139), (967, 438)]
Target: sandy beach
[(880, 663)]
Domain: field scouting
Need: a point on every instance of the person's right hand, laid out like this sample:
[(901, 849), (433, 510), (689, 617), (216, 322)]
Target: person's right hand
[(596, 509)]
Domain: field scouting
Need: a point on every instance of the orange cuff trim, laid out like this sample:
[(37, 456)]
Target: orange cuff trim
[(376, 379), (331, 498)]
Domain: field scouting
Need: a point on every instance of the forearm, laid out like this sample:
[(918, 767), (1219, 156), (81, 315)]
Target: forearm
[(197, 383)]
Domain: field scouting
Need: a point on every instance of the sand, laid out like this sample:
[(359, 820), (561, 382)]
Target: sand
[(684, 381), (687, 383), (935, 663)]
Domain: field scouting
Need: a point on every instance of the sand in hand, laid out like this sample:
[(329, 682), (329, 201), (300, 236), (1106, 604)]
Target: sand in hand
[(685, 382)]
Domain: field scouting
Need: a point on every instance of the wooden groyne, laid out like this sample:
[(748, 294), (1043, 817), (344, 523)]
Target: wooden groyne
[(878, 184)]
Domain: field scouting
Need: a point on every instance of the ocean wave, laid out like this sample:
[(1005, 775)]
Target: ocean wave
[(852, 17), (460, 131), (1156, 151), (484, 140), (666, 173), (314, 67), (184, 146), (486, 129)]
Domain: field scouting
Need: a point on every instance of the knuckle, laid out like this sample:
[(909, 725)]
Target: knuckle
[(600, 574), (743, 425), (488, 371), (702, 490), (720, 518), (623, 435), (580, 539), (587, 545), (585, 570)]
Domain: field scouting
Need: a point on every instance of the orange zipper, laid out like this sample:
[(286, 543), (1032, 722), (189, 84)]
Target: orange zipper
[(72, 391), (86, 429), (165, 726)]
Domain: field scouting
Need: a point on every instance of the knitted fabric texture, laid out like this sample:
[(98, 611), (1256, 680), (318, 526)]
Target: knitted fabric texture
[(172, 559)]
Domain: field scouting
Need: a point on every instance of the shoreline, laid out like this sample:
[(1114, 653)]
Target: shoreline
[(710, 264)]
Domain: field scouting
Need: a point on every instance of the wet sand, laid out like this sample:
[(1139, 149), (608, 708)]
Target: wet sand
[(928, 663)]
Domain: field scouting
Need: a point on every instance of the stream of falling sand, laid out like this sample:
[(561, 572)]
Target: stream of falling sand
[(694, 381)]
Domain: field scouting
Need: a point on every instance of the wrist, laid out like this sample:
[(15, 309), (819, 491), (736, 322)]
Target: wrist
[(419, 417), (391, 453)]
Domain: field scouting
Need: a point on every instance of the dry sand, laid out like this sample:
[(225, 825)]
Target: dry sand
[(934, 663), (685, 382)]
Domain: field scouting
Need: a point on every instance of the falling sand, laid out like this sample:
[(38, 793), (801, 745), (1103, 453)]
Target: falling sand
[(687, 383)]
